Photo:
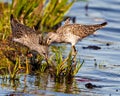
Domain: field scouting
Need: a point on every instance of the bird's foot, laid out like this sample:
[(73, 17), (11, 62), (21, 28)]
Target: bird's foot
[(74, 53)]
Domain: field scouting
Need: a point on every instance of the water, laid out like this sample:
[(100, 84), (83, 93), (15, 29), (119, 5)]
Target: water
[(106, 73)]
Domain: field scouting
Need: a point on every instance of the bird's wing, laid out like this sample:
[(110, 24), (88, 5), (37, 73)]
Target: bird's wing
[(19, 29), (80, 30), (86, 30), (41, 39), (67, 21), (70, 28)]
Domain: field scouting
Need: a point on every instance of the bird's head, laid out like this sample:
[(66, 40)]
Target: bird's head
[(51, 37), (42, 50)]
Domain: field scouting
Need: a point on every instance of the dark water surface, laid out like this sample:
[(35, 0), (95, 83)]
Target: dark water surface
[(106, 73)]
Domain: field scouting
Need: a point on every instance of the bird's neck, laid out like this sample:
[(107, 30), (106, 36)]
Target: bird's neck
[(57, 38)]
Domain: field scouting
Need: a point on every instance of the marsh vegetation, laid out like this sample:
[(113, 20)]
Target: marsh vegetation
[(25, 72), (42, 15)]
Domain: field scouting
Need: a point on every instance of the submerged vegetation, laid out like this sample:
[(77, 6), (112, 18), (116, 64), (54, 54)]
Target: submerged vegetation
[(42, 15)]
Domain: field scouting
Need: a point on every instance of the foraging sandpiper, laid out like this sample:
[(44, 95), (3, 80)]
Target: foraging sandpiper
[(28, 37), (72, 33)]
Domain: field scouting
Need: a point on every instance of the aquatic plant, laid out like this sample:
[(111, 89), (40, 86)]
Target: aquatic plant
[(4, 20), (11, 70), (63, 67)]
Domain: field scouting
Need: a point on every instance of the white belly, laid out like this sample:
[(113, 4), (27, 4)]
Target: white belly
[(70, 38)]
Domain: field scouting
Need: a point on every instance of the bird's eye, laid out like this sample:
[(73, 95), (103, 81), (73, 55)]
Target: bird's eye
[(43, 53), (49, 38)]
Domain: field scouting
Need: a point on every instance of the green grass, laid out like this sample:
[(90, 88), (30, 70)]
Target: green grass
[(4, 21), (63, 67), (41, 14)]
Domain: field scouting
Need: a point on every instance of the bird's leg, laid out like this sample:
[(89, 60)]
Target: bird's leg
[(74, 53), (46, 59)]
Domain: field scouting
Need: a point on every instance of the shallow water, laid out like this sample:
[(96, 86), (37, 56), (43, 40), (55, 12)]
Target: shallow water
[(106, 73)]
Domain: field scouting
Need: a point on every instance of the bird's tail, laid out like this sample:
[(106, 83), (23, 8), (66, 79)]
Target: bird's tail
[(13, 21), (14, 26), (99, 26), (103, 24), (93, 28)]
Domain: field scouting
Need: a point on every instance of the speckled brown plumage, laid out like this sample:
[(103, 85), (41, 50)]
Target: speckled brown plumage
[(80, 30), (19, 29), (28, 37), (72, 33), (75, 32)]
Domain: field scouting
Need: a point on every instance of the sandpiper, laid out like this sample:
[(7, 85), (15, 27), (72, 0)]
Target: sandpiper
[(72, 33), (28, 37)]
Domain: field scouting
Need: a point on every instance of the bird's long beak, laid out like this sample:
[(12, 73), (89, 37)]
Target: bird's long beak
[(47, 41), (46, 58)]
